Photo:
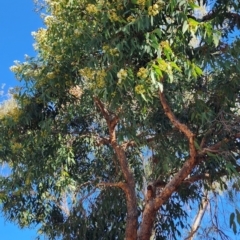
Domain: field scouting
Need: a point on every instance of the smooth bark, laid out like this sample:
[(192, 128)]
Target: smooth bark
[(198, 218)]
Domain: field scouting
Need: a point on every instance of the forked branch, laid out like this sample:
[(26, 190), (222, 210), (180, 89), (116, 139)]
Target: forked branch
[(129, 186), (153, 205), (187, 166)]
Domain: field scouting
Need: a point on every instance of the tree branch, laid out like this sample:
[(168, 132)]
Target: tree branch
[(132, 143), (153, 205), (118, 185), (216, 147), (167, 110), (129, 186), (234, 17), (196, 178), (198, 218), (111, 119)]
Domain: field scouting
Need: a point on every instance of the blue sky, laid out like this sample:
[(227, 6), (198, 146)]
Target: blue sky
[(17, 21)]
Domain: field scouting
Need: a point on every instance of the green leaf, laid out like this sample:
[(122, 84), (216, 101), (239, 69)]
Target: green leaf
[(174, 65), (197, 146), (158, 32), (238, 216), (192, 22), (160, 85), (152, 74), (193, 6), (185, 26), (231, 220), (234, 227), (144, 98), (198, 70), (216, 38), (170, 75)]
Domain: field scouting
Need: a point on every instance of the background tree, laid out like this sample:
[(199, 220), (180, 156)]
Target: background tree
[(121, 121)]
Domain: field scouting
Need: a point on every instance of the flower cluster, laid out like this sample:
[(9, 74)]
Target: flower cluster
[(91, 9), (114, 52), (164, 66), (40, 35), (105, 48), (76, 91), (97, 77), (15, 114), (112, 15), (142, 72), (153, 10), (77, 32), (55, 7), (15, 68), (49, 20), (122, 74), (58, 57), (100, 78), (8, 107), (16, 147), (164, 44), (111, 51), (41, 38), (51, 75), (139, 89), (131, 18), (87, 73), (141, 2)]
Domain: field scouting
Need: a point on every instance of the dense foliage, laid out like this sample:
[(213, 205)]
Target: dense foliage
[(127, 115)]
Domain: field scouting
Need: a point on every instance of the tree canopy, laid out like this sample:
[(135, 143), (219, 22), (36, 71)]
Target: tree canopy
[(125, 119)]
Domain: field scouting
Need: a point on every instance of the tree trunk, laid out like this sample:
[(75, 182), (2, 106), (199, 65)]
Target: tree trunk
[(148, 219), (132, 216)]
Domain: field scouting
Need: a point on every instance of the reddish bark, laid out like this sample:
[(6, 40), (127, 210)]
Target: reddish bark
[(129, 186), (153, 206), (132, 222), (153, 202)]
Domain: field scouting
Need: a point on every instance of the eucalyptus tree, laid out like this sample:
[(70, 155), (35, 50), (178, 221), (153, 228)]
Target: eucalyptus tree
[(122, 122)]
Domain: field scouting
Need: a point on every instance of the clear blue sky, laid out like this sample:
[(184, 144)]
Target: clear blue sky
[(17, 21)]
